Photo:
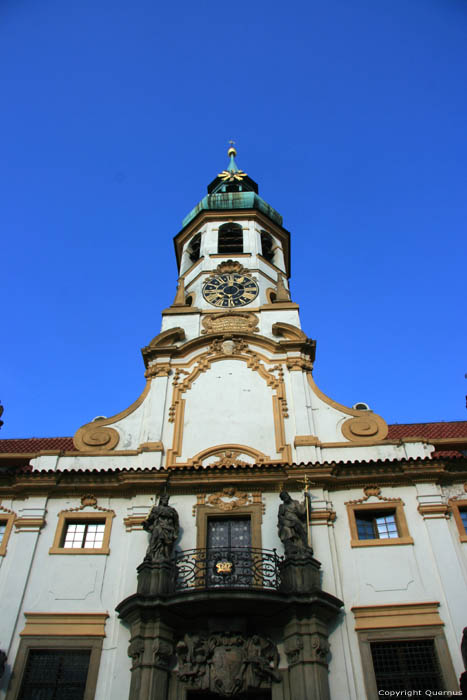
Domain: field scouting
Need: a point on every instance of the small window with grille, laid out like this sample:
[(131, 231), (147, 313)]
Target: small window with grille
[(84, 534), (406, 665), (54, 673), (230, 239), (376, 525)]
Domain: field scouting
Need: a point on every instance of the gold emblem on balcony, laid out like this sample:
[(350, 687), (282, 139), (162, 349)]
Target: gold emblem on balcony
[(224, 567)]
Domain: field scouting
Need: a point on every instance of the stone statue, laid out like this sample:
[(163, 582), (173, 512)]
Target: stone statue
[(292, 526), (163, 525)]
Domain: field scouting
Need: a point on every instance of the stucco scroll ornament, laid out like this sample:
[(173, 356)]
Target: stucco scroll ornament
[(365, 428), (163, 525), (292, 527), (93, 437), (237, 499)]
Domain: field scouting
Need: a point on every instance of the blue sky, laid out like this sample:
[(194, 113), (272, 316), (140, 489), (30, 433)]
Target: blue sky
[(116, 115)]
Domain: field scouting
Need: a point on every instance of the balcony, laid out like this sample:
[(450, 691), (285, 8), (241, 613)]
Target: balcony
[(243, 568)]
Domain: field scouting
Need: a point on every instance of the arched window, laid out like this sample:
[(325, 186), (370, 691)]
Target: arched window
[(267, 246), (230, 239), (194, 248)]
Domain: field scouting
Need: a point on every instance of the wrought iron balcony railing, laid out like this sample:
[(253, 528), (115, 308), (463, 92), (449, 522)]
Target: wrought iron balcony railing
[(227, 567)]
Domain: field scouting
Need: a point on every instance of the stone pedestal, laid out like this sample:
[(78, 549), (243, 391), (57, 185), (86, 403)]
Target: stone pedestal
[(300, 574), (156, 578)]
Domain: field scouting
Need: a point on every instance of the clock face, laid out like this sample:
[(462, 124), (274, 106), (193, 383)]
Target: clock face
[(230, 290)]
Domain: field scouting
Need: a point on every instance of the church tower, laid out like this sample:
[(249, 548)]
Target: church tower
[(230, 374)]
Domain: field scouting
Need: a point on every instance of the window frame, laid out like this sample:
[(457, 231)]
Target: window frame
[(204, 512), (396, 506), (67, 517), (434, 632), (65, 643), (456, 507), (6, 518)]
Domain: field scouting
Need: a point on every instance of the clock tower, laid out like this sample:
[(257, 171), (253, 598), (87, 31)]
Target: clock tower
[(229, 377)]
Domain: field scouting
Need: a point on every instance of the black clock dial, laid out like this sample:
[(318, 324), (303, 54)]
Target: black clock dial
[(230, 290)]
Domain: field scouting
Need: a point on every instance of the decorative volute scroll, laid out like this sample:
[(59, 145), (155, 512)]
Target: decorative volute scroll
[(287, 330), (95, 436), (230, 321), (368, 427), (166, 338)]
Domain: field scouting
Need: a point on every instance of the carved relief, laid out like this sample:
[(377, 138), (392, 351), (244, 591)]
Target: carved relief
[(367, 428), (233, 321), (135, 652), (163, 652), (228, 455), (228, 499), (293, 649), (296, 364), (87, 501), (94, 437), (372, 491), (227, 663), (231, 266), (160, 369), (287, 330), (319, 648)]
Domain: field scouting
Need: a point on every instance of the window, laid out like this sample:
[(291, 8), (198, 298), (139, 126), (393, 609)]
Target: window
[(6, 523), (377, 524), (230, 239), (403, 647), (83, 532), (55, 674), (463, 516), (459, 512), (194, 248), (80, 535), (58, 657), (267, 246), (410, 665)]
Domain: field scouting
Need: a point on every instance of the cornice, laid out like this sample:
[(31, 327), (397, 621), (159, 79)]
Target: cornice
[(266, 477)]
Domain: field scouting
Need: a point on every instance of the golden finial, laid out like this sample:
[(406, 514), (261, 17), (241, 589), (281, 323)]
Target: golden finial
[(232, 151)]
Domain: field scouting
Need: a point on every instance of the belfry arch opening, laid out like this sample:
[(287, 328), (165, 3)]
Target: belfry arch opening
[(267, 246), (194, 248), (230, 239)]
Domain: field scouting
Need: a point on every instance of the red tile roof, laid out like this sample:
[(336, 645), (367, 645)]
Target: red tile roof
[(441, 430), (29, 445), (431, 431)]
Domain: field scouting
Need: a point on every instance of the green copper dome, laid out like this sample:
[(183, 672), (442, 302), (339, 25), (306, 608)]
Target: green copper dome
[(233, 189)]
